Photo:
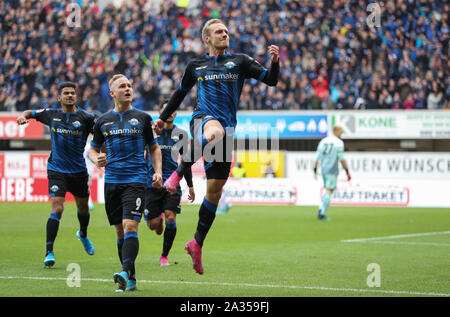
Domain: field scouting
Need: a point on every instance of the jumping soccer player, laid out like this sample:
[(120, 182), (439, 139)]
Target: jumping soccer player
[(330, 152), (66, 167), (158, 201), (126, 131), (219, 76)]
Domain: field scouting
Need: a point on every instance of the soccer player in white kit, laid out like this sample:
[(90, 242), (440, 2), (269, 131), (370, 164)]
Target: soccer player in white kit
[(90, 167), (330, 152)]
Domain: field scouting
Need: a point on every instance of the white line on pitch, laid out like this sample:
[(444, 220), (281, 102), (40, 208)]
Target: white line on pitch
[(318, 288), (398, 236), (411, 243)]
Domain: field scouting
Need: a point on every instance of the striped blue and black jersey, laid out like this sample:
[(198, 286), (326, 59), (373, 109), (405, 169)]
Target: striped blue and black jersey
[(171, 143), (126, 135), (219, 83), (69, 132)]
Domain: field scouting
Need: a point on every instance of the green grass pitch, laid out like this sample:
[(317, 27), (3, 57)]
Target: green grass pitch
[(252, 251)]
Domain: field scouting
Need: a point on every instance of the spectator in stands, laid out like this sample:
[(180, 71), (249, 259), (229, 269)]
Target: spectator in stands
[(421, 102), (323, 44), (409, 102), (434, 98), (321, 87)]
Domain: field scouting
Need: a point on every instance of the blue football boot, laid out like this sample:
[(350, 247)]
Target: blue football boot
[(121, 279), (49, 260), (87, 244)]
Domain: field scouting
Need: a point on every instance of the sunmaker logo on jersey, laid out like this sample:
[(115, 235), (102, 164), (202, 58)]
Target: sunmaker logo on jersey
[(67, 131), (165, 147), (226, 77), (124, 131)]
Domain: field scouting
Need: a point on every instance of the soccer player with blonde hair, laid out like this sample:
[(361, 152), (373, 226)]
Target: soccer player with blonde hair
[(126, 132), (219, 76), (330, 152)]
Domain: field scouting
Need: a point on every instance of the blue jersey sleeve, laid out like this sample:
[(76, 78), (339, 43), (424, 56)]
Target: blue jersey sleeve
[(91, 122), (254, 69), (188, 81), (98, 139), (43, 115), (150, 137)]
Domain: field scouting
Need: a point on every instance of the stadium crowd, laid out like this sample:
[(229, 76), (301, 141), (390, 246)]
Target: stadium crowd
[(330, 57)]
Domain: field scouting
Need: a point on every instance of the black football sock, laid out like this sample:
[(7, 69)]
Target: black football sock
[(52, 230), (130, 251), (206, 216), (169, 236), (119, 249), (83, 218)]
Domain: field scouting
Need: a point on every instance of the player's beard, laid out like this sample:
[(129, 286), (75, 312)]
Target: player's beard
[(68, 104)]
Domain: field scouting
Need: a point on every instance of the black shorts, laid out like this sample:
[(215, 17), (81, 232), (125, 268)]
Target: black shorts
[(157, 200), (124, 201), (217, 160), (61, 183)]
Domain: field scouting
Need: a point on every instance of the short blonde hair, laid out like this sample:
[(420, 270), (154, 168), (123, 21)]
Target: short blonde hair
[(205, 30), (114, 78), (337, 129)]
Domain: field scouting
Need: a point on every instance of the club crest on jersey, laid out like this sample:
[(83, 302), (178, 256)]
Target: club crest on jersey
[(230, 65), (77, 124), (133, 121)]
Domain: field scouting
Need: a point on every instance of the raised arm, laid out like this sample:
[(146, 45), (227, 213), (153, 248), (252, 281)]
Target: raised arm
[(23, 118), (271, 77), (187, 82)]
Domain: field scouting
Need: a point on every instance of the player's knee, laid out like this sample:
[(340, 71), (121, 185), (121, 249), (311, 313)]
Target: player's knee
[(214, 134), (153, 223), (214, 197), (170, 218), (130, 225), (58, 208)]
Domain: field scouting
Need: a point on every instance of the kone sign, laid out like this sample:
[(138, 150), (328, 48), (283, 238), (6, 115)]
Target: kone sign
[(367, 124)]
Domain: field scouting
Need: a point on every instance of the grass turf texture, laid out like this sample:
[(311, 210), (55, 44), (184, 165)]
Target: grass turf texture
[(252, 251)]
